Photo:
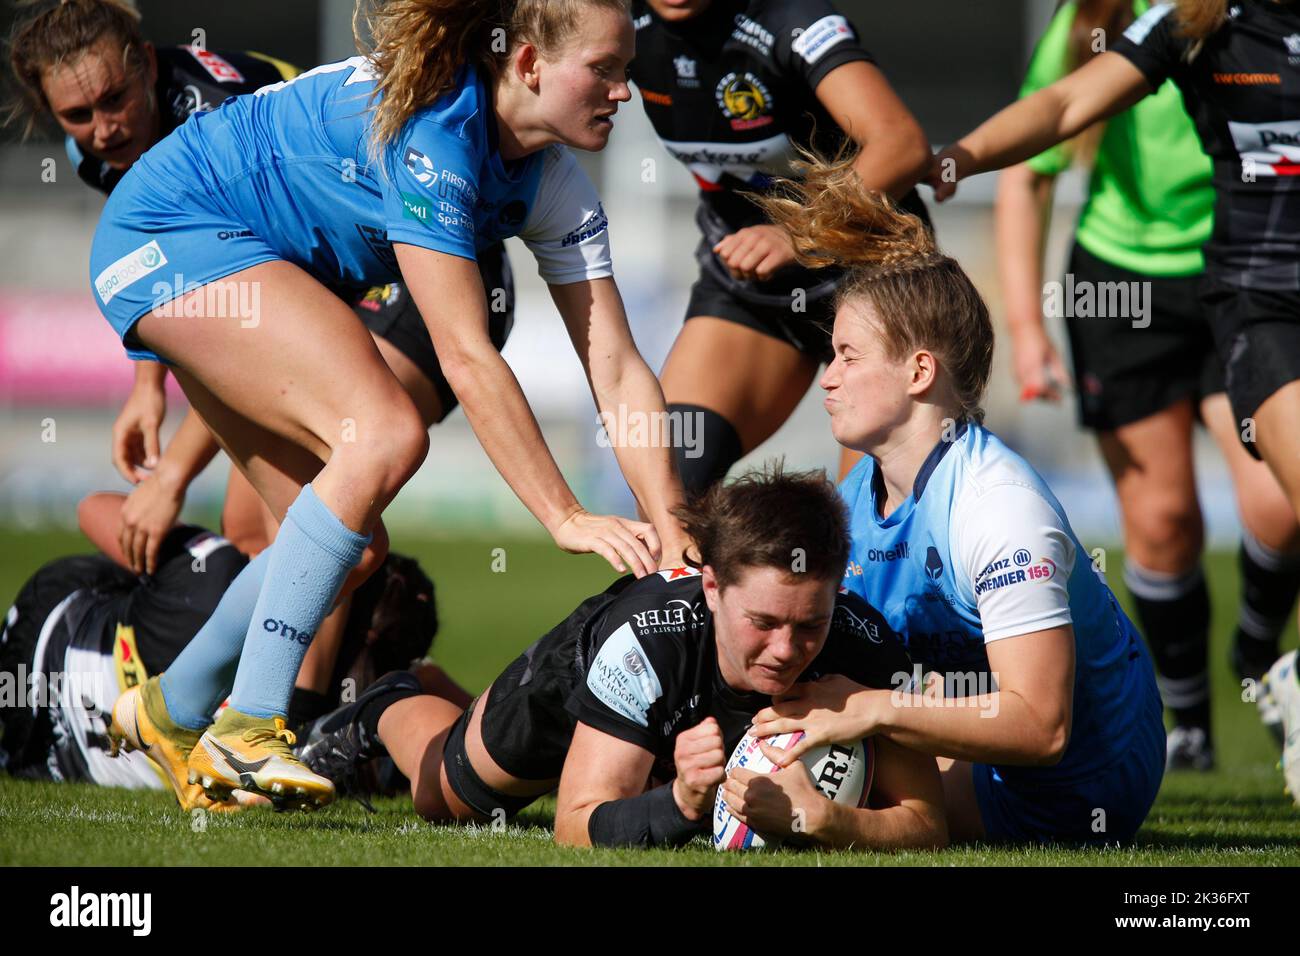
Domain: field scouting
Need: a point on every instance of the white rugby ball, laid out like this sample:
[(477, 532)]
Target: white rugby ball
[(840, 772)]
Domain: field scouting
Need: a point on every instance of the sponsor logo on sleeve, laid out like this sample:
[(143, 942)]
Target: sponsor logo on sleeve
[(674, 616), (131, 268), (420, 165), (591, 227), (623, 679), (1020, 568), (814, 43), (414, 207), (1141, 28), (218, 68)]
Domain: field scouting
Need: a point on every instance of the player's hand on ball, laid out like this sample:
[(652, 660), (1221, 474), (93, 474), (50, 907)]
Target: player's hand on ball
[(135, 433), (701, 766), (831, 709), (777, 806), (625, 544), (148, 513), (756, 252)]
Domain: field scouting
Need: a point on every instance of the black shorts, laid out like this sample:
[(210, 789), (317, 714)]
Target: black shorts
[(389, 313), (808, 331), (1124, 373), (1258, 336)]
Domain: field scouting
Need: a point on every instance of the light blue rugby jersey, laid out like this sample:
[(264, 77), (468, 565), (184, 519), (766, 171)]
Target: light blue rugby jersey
[(291, 161), (982, 551)]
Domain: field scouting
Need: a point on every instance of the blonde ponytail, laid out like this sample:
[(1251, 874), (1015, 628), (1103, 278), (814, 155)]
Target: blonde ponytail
[(921, 298)]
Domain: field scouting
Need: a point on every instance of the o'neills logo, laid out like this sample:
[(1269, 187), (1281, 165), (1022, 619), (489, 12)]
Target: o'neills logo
[(1268, 149), (72, 909)]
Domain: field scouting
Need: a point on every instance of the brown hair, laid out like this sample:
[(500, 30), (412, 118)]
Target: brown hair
[(771, 518), (1197, 19), (923, 299), (61, 33), (417, 46)]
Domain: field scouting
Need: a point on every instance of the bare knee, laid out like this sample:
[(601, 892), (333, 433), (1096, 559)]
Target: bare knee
[(1164, 532), (382, 452)]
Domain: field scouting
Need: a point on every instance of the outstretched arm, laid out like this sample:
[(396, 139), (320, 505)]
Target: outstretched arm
[(449, 294), (621, 381), (1107, 85)]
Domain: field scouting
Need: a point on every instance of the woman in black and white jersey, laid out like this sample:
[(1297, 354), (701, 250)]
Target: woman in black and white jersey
[(732, 87)]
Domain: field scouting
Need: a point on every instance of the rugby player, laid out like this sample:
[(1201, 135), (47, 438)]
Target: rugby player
[(85, 629), (1235, 65), (86, 64), (404, 162), (731, 88), (633, 702), (1142, 381), (1047, 723)]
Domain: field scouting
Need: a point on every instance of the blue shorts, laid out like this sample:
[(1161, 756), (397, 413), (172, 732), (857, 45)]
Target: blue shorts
[(1107, 807), (153, 245)]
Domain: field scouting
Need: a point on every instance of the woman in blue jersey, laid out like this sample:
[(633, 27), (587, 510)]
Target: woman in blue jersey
[(1047, 723), (221, 250)]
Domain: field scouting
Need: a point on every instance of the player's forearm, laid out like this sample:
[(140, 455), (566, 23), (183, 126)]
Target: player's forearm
[(1000, 727), (911, 825), (894, 164), (150, 376), (1021, 217), (1022, 130), (191, 450), (506, 428), (647, 465)]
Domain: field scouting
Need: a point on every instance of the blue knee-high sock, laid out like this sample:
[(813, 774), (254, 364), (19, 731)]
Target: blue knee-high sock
[(310, 559), (200, 677)]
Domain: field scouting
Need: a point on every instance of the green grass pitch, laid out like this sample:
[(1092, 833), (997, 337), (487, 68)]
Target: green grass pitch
[(1237, 815)]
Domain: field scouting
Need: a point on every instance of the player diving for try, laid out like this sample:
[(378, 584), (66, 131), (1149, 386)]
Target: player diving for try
[(632, 704)]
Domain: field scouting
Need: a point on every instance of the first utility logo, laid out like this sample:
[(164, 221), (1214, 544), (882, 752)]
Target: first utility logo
[(131, 268), (103, 909)]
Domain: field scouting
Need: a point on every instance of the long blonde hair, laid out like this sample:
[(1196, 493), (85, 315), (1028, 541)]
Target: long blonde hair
[(417, 46), (922, 298)]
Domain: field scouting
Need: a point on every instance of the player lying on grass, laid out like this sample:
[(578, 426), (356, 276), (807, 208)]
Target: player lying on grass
[(632, 703), (1049, 726), (83, 629)]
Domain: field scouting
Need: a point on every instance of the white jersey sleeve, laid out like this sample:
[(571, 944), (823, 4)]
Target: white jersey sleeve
[(567, 230), (1013, 557)]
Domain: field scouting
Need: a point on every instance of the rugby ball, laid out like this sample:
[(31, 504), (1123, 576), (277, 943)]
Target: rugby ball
[(841, 772)]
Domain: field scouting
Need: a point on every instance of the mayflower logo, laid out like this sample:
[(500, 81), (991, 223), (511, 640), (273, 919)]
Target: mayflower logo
[(131, 268)]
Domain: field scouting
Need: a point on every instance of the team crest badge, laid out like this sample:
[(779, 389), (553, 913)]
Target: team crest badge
[(745, 100)]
